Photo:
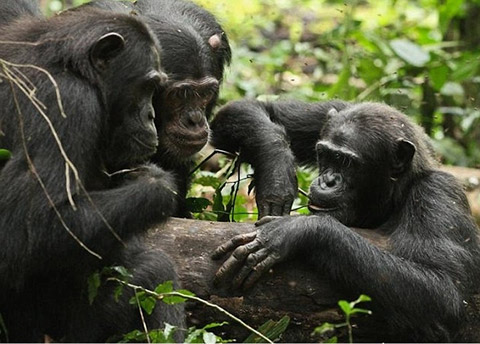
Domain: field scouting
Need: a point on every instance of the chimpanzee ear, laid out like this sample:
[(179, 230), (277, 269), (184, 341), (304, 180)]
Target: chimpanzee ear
[(107, 47), (404, 152), (332, 112), (215, 41)]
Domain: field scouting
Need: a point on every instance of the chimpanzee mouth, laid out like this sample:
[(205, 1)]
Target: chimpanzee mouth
[(188, 141), (315, 208)]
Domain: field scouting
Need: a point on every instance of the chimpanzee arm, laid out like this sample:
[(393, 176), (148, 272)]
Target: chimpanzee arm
[(400, 288), (272, 137), (430, 261)]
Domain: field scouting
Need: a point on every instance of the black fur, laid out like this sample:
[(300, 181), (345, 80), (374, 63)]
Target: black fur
[(106, 67), (194, 53), (12, 9), (376, 171)]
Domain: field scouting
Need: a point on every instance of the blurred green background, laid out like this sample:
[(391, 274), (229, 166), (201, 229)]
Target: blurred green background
[(421, 56)]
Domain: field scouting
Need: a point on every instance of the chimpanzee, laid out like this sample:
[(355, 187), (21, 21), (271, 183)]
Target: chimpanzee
[(76, 195), (194, 52), (13, 9), (376, 171)]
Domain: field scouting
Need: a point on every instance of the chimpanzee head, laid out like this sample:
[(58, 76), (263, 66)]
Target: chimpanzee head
[(367, 155), (125, 64), (194, 52)]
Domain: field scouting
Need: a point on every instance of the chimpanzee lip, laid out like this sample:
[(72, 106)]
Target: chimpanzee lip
[(152, 146), (189, 141), (316, 208)]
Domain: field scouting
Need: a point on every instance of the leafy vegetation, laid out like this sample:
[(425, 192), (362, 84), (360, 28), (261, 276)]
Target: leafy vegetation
[(349, 309), (146, 301)]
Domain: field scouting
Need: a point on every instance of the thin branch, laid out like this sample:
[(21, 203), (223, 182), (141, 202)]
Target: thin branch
[(39, 179), (194, 298), (145, 328), (40, 107)]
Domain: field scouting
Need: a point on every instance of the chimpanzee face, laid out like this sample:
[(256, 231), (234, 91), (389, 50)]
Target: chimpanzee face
[(131, 136), (334, 191), (358, 170), (185, 104)]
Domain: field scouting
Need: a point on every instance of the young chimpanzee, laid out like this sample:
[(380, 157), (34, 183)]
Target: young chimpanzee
[(376, 171), (194, 52), (62, 213)]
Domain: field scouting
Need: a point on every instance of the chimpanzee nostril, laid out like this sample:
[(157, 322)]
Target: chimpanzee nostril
[(151, 115), (330, 182), (330, 179)]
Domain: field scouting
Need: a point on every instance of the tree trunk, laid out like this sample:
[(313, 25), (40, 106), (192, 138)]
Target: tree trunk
[(308, 298)]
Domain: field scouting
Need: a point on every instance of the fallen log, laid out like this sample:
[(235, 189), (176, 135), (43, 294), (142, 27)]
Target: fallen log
[(292, 289)]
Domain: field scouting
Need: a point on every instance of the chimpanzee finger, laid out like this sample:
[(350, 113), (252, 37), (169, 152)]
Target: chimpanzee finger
[(231, 244), (259, 270), (252, 261), (265, 220), (235, 261)]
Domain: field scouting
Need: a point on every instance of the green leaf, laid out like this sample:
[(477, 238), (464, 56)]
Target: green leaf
[(122, 271), (218, 202), (345, 306), (168, 332), (410, 52), (363, 298), (118, 292), (213, 325), (186, 292), (438, 76), (173, 299), (325, 327), (197, 204), (209, 338), (148, 304), (361, 310), (207, 179), (333, 339), (165, 287), (134, 336), (447, 10), (94, 283), (5, 154), (452, 89), (193, 335), (270, 329), (466, 69)]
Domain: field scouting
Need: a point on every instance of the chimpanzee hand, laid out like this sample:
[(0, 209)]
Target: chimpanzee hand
[(275, 187), (255, 253)]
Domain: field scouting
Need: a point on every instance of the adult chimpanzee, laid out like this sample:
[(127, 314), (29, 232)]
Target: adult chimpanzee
[(13, 9), (56, 226), (194, 52), (376, 171)]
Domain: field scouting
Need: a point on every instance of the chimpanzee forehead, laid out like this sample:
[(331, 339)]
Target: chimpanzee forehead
[(340, 148)]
